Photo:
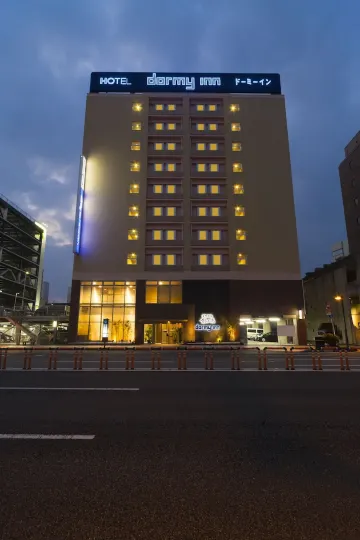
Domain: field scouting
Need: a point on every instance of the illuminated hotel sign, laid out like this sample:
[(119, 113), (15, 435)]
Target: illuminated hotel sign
[(207, 323), (233, 83), (79, 206)]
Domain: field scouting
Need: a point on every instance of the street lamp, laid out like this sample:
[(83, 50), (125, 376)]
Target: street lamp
[(22, 305), (339, 298)]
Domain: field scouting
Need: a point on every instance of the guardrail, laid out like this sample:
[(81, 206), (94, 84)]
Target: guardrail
[(177, 358)]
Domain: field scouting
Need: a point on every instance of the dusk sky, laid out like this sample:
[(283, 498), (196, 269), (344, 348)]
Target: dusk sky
[(48, 49)]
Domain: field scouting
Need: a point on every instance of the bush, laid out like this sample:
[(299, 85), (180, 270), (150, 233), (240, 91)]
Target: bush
[(331, 339)]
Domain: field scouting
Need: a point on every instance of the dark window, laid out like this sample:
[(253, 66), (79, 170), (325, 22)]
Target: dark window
[(350, 275)]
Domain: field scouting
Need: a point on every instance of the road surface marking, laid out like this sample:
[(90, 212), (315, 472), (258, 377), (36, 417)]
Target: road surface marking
[(38, 436), (73, 389)]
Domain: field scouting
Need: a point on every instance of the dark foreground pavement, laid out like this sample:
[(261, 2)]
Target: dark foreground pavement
[(213, 455)]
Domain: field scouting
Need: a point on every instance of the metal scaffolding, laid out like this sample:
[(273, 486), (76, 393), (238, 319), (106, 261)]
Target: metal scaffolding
[(22, 245)]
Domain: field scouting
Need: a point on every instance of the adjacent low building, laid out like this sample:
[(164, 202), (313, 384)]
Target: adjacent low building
[(185, 211)]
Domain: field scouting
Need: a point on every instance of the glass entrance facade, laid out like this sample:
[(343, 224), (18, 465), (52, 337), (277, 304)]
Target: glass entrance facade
[(165, 333), (113, 300)]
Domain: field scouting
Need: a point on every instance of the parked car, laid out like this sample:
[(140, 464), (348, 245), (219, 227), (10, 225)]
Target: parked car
[(254, 333), (269, 336)]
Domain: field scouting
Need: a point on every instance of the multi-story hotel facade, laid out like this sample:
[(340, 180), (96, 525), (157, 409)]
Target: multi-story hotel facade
[(185, 208)]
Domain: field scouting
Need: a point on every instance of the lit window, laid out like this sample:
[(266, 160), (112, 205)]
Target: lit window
[(240, 234), (215, 190), (237, 167), (137, 107), (157, 235), (215, 211), (136, 126), (135, 146), (213, 146), (239, 211), (170, 235), (236, 147), (215, 235), (202, 211), (171, 211), (202, 235), (201, 167), (171, 107), (171, 189), (235, 126), (200, 146), (159, 107), (214, 167), (201, 189), (157, 188), (171, 127), (171, 167), (170, 260), (156, 259), (171, 146), (134, 211), (157, 211), (203, 260), (234, 107), (131, 258), (241, 258), (159, 146), (212, 108), (159, 126), (135, 166), (200, 127), (133, 234), (158, 167), (200, 108), (134, 188), (216, 260), (213, 127), (238, 189)]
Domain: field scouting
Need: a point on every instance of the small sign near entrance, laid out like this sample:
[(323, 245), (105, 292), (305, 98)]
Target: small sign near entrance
[(328, 310), (207, 323), (105, 329)]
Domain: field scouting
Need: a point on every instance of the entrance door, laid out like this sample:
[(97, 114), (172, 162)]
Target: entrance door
[(165, 333)]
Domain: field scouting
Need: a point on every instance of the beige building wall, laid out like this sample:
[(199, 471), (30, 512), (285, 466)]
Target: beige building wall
[(271, 245)]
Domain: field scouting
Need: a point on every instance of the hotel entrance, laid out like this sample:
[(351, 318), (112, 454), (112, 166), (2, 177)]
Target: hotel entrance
[(163, 333)]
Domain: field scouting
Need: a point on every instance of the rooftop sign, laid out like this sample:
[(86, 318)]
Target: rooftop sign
[(226, 83)]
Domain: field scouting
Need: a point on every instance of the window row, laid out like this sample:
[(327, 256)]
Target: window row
[(172, 146), (171, 259), (201, 189), (201, 211), (172, 167), (171, 235), (198, 126), (163, 292), (200, 107)]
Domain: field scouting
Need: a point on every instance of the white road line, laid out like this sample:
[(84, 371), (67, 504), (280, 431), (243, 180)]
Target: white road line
[(36, 388), (39, 436)]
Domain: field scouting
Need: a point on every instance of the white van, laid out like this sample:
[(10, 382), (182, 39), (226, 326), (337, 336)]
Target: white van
[(254, 333)]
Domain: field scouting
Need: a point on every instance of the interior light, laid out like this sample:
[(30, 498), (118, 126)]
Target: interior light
[(301, 314), (94, 282), (274, 319), (260, 320)]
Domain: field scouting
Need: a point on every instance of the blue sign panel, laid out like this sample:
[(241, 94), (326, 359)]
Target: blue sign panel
[(226, 83), (79, 206)]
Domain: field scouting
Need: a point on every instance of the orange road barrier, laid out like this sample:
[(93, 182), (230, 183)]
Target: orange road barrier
[(181, 357), (53, 354), (344, 360), (78, 358), (209, 360), (316, 361), (27, 358), (130, 359), (3, 358), (155, 359), (235, 360), (104, 358), (289, 361), (262, 360)]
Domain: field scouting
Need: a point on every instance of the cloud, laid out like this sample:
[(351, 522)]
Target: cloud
[(44, 170), (58, 221)]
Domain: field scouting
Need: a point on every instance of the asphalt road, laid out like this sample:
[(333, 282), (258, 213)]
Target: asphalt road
[(182, 455), (169, 360)]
